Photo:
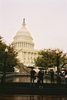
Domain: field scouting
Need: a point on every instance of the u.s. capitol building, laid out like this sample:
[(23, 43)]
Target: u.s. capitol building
[(23, 44)]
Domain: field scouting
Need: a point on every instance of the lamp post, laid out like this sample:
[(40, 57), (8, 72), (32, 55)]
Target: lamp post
[(59, 55), (4, 66), (58, 60)]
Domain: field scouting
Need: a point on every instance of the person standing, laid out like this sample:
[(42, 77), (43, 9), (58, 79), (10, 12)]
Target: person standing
[(52, 75), (59, 77), (32, 75), (40, 76), (66, 76)]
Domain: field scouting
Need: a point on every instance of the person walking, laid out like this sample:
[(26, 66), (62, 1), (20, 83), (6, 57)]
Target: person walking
[(40, 76), (32, 75)]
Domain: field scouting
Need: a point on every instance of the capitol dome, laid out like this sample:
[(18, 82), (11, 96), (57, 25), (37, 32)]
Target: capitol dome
[(23, 44), (23, 39)]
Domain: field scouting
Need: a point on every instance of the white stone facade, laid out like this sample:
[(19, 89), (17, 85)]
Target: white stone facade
[(23, 44)]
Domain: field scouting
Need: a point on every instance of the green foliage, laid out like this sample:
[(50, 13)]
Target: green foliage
[(2, 53), (51, 58), (7, 59)]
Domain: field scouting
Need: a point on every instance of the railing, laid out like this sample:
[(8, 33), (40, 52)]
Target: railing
[(33, 88), (25, 77)]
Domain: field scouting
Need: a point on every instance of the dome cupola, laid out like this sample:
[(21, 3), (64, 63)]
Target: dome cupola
[(23, 39)]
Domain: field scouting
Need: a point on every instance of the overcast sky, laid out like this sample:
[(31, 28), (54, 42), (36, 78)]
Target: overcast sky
[(46, 20)]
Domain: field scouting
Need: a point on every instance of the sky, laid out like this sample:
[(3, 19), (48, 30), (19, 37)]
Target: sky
[(46, 20)]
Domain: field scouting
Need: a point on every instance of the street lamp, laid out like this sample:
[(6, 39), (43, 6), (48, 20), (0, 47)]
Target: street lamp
[(4, 66), (58, 60)]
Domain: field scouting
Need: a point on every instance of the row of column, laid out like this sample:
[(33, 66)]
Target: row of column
[(24, 44), (28, 57)]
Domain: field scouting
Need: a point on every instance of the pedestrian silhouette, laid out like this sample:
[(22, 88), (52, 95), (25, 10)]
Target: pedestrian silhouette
[(40, 76), (59, 77), (52, 75), (66, 76), (33, 75)]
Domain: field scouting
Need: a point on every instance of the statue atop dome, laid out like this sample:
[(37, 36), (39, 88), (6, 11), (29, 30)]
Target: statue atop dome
[(23, 22)]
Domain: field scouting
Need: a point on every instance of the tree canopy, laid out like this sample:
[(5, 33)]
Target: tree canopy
[(8, 59), (51, 58)]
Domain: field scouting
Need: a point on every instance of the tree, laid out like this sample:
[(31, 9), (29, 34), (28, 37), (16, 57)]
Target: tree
[(2, 53), (51, 58), (11, 60), (8, 59)]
